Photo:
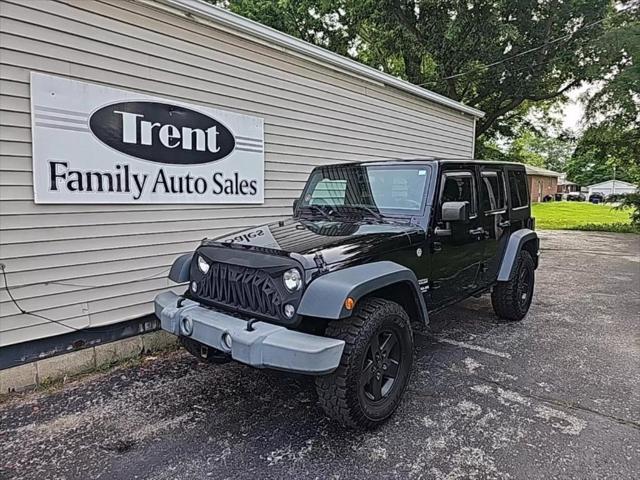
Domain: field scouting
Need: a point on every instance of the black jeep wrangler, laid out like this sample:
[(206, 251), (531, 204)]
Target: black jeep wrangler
[(333, 291)]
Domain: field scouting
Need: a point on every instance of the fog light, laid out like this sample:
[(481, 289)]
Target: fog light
[(194, 287), (186, 326), (227, 343), (289, 310)]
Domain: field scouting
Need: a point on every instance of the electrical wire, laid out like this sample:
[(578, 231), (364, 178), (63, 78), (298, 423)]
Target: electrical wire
[(37, 315), (534, 49), (25, 312)]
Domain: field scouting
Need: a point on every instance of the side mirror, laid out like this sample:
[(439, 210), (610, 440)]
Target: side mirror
[(295, 205), (457, 212)]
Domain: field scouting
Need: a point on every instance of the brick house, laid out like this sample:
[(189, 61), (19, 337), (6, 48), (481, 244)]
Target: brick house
[(542, 182)]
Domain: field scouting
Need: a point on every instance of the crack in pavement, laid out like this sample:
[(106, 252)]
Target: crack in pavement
[(561, 403), (591, 252), (552, 401)]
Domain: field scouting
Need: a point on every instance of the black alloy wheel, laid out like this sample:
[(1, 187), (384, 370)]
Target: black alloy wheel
[(381, 365), (525, 286)]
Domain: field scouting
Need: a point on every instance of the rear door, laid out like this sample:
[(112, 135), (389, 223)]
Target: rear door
[(456, 256), (495, 220)]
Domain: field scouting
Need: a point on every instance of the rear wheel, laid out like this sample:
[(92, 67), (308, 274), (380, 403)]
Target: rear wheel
[(374, 370), (511, 300)]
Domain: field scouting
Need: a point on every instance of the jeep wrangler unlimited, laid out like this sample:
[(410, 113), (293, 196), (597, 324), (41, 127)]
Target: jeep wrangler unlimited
[(333, 291)]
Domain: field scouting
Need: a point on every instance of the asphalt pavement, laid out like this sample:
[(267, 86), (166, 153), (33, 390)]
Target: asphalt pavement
[(554, 396)]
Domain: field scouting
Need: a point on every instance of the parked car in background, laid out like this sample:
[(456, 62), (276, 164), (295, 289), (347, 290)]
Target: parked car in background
[(575, 197), (596, 197), (615, 197)]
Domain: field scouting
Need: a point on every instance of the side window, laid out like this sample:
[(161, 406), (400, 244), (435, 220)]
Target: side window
[(329, 192), (493, 191), (518, 188), (459, 187)]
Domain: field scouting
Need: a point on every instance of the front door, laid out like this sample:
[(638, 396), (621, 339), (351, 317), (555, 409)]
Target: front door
[(457, 247), (495, 221)]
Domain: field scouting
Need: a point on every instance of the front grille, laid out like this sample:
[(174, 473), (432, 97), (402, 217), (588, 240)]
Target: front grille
[(244, 288)]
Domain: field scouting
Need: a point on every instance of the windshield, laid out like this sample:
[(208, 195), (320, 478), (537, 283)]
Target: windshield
[(377, 189)]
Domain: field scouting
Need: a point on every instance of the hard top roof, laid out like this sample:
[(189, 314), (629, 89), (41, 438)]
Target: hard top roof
[(424, 160)]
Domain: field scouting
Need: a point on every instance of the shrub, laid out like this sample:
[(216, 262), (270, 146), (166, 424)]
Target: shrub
[(607, 227), (632, 200)]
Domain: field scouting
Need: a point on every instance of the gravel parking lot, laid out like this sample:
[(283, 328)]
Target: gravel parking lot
[(555, 396)]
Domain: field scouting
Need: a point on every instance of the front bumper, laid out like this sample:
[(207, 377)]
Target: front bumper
[(266, 346)]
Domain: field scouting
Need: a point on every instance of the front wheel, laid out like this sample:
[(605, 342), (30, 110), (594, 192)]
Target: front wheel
[(511, 300), (374, 370)]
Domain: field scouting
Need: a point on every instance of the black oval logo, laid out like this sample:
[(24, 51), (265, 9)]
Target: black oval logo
[(162, 133)]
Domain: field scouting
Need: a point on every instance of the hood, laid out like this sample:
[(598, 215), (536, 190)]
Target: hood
[(335, 239)]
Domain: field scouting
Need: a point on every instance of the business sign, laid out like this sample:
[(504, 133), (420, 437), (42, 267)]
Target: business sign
[(95, 144)]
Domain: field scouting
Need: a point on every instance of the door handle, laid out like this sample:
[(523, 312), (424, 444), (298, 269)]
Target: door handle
[(504, 224), (476, 231)]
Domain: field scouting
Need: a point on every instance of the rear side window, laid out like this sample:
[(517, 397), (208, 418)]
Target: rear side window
[(518, 188), (493, 191), (459, 187)]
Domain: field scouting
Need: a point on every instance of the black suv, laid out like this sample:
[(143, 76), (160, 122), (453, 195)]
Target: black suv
[(333, 291)]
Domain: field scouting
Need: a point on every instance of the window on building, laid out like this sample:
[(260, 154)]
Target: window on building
[(459, 187), (493, 191), (518, 188)]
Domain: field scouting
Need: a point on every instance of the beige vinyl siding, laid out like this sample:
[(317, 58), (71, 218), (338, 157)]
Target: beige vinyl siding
[(89, 265)]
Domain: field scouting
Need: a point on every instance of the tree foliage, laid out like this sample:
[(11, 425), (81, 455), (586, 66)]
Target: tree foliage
[(500, 56), (612, 137)]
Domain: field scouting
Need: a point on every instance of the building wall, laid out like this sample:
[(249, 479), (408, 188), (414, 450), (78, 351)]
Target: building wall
[(540, 186), (89, 265)]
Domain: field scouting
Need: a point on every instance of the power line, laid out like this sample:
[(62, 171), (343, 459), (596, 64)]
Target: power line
[(534, 49)]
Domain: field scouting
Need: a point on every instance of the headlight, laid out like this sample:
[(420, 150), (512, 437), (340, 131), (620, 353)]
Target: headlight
[(203, 266), (292, 279)]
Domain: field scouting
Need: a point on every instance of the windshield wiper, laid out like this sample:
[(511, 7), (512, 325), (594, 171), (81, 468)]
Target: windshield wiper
[(370, 210), (317, 208)]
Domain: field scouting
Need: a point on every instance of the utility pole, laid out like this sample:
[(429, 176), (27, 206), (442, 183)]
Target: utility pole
[(613, 187)]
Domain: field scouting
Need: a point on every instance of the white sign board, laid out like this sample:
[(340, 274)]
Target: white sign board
[(96, 144)]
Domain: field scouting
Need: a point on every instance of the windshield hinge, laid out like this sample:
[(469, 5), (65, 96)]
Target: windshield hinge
[(320, 263)]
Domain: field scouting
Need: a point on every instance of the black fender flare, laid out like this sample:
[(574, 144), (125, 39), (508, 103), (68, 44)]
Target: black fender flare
[(325, 296), (179, 272), (514, 245)]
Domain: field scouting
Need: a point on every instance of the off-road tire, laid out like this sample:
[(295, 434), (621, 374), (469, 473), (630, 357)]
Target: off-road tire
[(340, 393), (506, 297)]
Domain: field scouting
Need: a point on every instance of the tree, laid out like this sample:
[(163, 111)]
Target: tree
[(612, 138), (601, 149), (499, 56)]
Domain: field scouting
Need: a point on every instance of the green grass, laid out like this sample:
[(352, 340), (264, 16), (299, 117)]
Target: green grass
[(582, 216)]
